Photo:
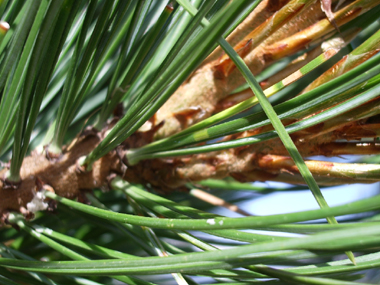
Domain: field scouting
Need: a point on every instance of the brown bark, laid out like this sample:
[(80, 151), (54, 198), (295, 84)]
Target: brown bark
[(216, 80), (62, 174), (209, 84)]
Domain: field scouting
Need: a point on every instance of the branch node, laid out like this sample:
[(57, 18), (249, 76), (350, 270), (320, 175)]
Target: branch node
[(81, 166), (7, 184), (51, 156)]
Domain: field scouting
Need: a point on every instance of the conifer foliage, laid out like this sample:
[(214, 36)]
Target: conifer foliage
[(123, 123)]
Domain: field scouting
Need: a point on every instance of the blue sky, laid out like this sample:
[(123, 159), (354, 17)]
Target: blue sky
[(286, 202)]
